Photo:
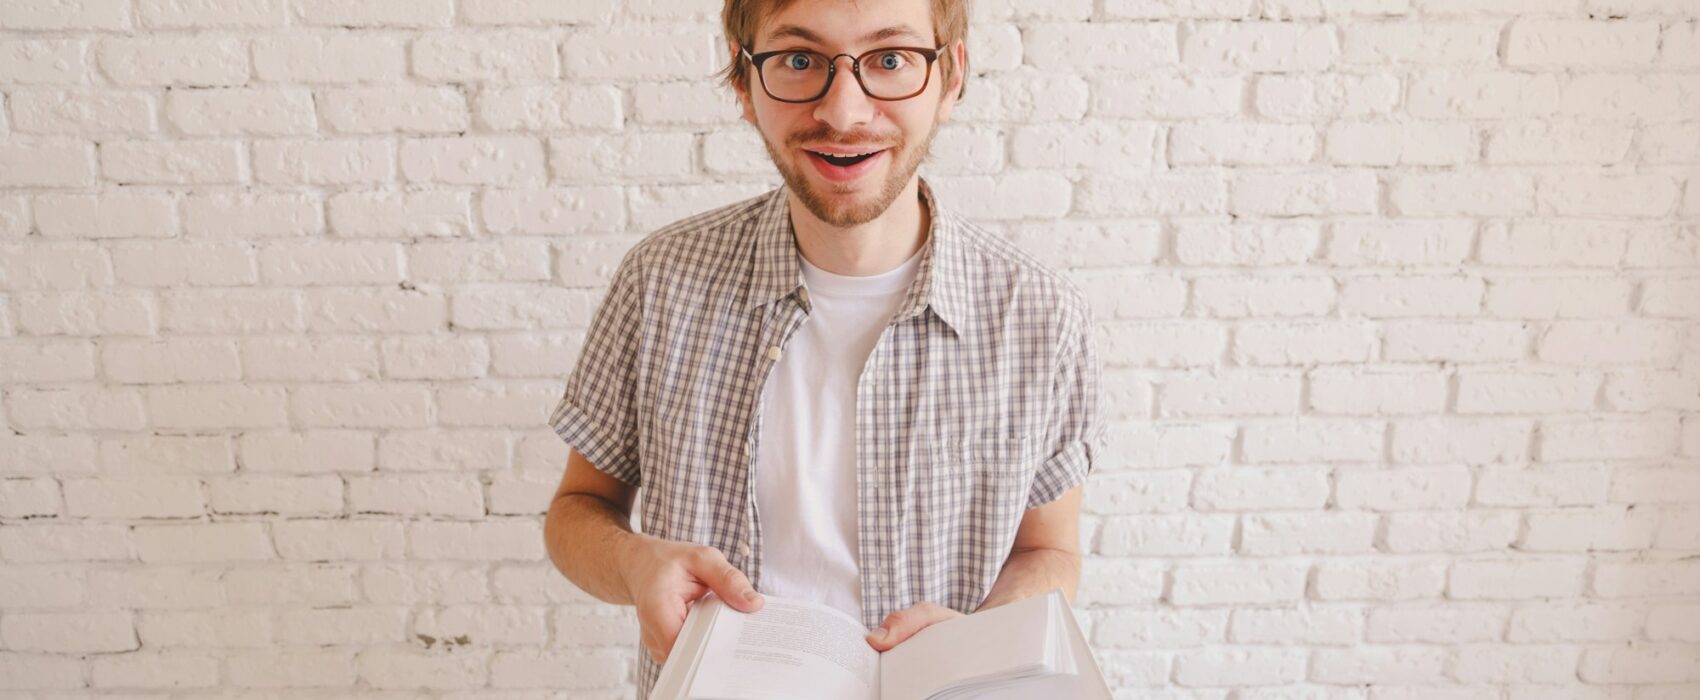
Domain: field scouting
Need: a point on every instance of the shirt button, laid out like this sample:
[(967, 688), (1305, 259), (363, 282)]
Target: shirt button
[(773, 353), (803, 293), (744, 548)]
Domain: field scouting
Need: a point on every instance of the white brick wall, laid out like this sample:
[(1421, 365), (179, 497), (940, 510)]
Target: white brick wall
[(1399, 304)]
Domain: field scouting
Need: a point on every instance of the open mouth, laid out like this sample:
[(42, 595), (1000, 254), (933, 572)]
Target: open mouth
[(844, 161), (845, 167)]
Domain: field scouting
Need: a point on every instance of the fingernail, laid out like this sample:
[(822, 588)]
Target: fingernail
[(750, 595), (879, 634)]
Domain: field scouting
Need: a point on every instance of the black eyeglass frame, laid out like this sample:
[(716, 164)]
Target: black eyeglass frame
[(932, 56)]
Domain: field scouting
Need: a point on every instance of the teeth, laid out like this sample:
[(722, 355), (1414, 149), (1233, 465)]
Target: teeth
[(846, 155)]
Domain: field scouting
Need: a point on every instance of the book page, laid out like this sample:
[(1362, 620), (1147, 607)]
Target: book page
[(1091, 679), (1078, 677), (1009, 641), (788, 649)]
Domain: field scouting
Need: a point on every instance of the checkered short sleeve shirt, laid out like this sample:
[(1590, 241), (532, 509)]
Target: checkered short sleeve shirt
[(980, 400)]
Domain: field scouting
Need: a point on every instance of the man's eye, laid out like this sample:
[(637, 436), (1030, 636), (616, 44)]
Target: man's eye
[(891, 61), (797, 61)]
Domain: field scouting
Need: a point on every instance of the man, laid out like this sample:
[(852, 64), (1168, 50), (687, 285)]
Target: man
[(842, 390)]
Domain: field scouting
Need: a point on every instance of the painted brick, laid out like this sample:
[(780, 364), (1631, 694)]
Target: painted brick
[(178, 61), (1261, 47), (252, 216), (601, 159), (1081, 47), (1317, 96), (325, 162), (1092, 147), (656, 53), (499, 161), (329, 58), (530, 12), (47, 164), (117, 215), (196, 162), (59, 15), (1302, 194), (45, 62), (1241, 144), (1400, 243), (1403, 489), (1483, 95), (421, 110), (1544, 142), (1376, 144), (375, 13), (1548, 42), (223, 111), (387, 214), (1425, 43), (83, 111), (1303, 342), (553, 108), (1025, 96), (188, 15), (1159, 96), (1380, 579), (466, 57)]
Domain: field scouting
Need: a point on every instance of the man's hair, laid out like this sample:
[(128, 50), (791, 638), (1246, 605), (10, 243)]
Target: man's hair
[(741, 18)]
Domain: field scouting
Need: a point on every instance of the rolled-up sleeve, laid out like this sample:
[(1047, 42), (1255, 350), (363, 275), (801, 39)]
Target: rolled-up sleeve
[(597, 413), (1076, 434)]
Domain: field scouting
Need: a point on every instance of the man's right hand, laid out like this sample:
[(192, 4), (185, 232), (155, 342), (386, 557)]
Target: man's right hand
[(665, 577)]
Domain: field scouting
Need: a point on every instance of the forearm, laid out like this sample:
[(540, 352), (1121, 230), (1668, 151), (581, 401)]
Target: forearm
[(586, 537), (1031, 572)]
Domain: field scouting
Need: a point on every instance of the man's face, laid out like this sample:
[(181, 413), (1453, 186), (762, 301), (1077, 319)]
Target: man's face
[(846, 121)]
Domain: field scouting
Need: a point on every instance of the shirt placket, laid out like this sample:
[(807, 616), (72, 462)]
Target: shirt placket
[(779, 321), (875, 485)]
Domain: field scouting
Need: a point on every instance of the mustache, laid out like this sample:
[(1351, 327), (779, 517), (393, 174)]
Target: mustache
[(828, 134)]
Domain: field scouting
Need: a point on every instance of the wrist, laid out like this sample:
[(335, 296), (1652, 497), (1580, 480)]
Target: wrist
[(625, 551)]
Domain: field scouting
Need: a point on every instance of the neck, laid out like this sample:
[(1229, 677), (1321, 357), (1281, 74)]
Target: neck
[(865, 249)]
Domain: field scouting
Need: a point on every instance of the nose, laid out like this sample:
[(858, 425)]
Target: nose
[(844, 105)]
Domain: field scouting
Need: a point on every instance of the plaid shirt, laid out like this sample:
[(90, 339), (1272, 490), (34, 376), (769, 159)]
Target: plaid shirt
[(980, 400)]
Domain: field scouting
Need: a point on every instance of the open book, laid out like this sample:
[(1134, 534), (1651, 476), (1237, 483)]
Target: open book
[(793, 649)]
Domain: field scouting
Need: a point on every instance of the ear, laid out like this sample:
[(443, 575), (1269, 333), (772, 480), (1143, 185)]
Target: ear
[(953, 92), (743, 90)]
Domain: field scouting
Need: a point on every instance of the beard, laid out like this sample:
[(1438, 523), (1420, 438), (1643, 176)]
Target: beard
[(905, 160)]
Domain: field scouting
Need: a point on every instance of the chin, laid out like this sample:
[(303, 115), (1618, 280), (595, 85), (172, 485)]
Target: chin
[(851, 203), (850, 215), (853, 208)]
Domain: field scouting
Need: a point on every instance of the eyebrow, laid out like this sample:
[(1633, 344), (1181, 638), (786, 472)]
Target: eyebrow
[(792, 30)]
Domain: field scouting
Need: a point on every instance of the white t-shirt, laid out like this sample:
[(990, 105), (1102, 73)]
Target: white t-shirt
[(806, 457)]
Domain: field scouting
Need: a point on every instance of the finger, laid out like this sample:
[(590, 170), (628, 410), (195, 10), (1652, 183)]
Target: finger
[(903, 624), (653, 648), (711, 567), (661, 624)]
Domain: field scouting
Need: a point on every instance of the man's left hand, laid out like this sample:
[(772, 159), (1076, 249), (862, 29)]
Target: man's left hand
[(904, 623)]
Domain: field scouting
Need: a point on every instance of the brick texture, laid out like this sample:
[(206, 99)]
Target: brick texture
[(1398, 300)]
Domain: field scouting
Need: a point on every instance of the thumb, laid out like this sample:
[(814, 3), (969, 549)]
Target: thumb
[(903, 624), (728, 582)]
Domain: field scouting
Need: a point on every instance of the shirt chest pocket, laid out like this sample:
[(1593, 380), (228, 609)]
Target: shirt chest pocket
[(970, 496)]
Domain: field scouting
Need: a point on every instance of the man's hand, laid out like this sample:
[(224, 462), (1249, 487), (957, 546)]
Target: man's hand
[(904, 623), (665, 578)]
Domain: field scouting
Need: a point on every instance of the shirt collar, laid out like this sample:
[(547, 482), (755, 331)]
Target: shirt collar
[(940, 278)]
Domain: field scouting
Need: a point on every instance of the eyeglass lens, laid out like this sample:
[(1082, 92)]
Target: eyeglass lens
[(886, 74)]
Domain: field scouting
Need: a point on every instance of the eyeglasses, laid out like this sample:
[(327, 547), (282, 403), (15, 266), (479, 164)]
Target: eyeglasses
[(891, 73)]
